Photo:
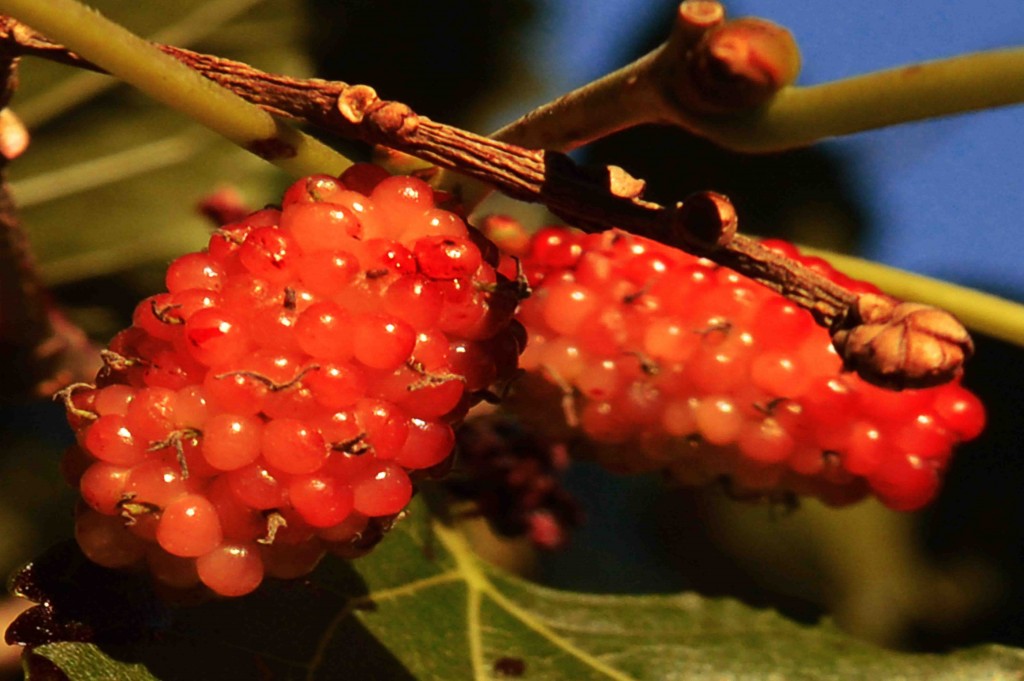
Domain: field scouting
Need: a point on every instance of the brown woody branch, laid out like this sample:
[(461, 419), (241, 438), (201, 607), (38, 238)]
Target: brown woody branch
[(877, 336)]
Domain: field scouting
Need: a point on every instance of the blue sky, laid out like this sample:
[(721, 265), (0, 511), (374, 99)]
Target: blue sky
[(946, 197)]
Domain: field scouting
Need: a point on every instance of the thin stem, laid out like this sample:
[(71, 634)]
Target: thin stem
[(983, 312), (799, 116), (205, 19), (615, 101), (132, 59), (698, 78)]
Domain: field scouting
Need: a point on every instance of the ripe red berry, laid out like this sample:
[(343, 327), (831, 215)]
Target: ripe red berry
[(321, 227), (106, 541), (189, 526), (231, 569), (108, 439), (688, 367), (321, 500), (269, 253), (381, 489), (313, 189), (292, 446), (194, 271), (323, 331), (231, 441), (445, 257), (215, 336), (278, 401), (102, 486), (381, 341)]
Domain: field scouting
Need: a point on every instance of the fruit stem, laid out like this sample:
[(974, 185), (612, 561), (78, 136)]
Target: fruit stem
[(135, 61)]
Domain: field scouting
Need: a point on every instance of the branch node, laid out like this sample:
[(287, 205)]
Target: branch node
[(396, 118), (355, 101)]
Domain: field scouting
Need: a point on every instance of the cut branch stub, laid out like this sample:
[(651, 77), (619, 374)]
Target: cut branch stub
[(706, 220), (696, 17)]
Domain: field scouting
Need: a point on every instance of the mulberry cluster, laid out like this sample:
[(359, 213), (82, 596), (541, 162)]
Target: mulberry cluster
[(687, 367), (296, 377)]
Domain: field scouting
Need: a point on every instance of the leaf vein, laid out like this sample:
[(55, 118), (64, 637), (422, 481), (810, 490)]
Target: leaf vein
[(474, 632), (414, 586), (478, 581), (322, 646)]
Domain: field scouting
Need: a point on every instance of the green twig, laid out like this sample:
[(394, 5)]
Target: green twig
[(80, 87), (135, 61), (983, 312), (799, 116)]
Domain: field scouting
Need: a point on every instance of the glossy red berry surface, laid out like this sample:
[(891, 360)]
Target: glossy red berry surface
[(670, 362), (284, 395)]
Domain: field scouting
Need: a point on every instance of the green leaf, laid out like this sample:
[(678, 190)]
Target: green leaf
[(111, 179), (92, 664), (423, 606)]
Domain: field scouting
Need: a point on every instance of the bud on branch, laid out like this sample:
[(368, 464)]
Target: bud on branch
[(901, 345)]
